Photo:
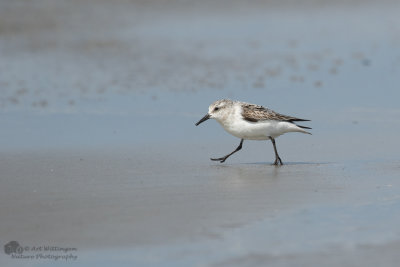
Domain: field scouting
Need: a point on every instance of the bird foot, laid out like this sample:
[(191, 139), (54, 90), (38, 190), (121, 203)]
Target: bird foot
[(277, 162), (221, 160)]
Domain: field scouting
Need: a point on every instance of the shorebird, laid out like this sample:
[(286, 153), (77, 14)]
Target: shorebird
[(251, 122)]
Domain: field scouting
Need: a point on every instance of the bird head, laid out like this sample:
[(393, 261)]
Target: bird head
[(216, 110)]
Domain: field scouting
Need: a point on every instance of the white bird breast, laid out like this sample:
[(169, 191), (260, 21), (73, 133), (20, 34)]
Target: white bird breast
[(261, 130)]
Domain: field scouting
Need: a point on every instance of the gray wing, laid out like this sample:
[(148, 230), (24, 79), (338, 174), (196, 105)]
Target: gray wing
[(255, 113)]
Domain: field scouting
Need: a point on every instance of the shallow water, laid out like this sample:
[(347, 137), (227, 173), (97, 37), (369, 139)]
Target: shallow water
[(100, 152)]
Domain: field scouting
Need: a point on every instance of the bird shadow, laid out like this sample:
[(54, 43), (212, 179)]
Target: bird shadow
[(286, 163)]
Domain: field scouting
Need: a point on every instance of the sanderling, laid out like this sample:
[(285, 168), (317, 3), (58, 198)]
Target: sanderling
[(251, 122)]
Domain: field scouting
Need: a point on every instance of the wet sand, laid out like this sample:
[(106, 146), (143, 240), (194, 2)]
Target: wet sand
[(99, 151), (150, 210)]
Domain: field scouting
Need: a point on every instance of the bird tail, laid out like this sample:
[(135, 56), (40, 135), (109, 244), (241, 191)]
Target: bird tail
[(301, 129)]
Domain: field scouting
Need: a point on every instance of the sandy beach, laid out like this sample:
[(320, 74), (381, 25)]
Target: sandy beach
[(101, 163)]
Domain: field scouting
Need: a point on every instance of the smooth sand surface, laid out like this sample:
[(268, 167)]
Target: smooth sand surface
[(100, 154), (155, 210)]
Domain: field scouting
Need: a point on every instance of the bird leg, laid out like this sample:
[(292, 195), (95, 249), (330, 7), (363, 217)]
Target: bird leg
[(222, 159), (277, 158)]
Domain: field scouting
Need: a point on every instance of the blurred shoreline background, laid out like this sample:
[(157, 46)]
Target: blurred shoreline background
[(99, 151)]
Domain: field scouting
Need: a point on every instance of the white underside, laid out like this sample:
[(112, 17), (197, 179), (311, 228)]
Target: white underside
[(261, 130)]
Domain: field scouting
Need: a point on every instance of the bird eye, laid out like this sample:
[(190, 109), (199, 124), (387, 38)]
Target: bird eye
[(216, 108)]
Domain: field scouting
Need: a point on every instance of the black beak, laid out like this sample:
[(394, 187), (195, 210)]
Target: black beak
[(206, 117)]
